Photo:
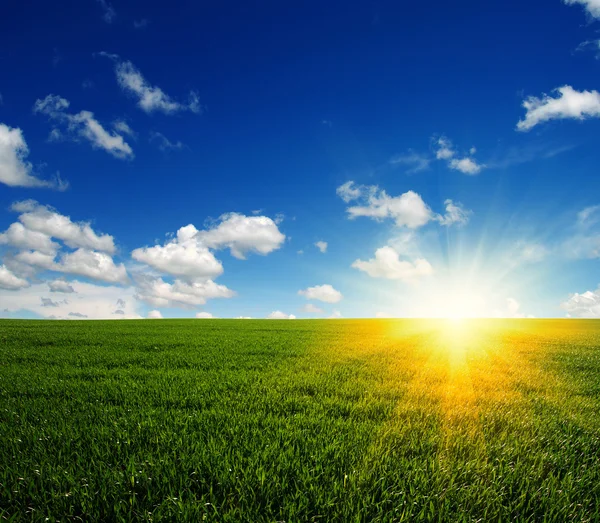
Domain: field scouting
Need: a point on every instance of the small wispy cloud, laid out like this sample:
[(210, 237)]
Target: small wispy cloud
[(164, 144), (141, 24), (322, 246), (109, 14), (81, 125), (444, 150), (414, 161), (150, 98)]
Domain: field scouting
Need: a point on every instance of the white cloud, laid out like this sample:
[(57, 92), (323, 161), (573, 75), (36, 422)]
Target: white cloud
[(466, 165), (455, 214), (336, 315), (383, 315), (309, 308), (158, 293), (83, 262), (47, 221), (10, 281), (278, 315), (586, 305), (243, 317), (109, 12), (15, 170), (417, 162), (585, 240), (61, 286), (322, 246), (150, 98), (569, 103), (164, 144), (204, 315), (17, 235), (387, 264), (89, 300), (243, 234), (349, 191), (591, 6), (82, 125), (123, 127), (325, 293), (444, 148), (407, 210), (588, 216), (593, 45), (95, 265), (155, 315), (184, 256), (36, 259)]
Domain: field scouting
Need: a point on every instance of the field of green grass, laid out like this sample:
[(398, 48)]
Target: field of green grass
[(240, 420)]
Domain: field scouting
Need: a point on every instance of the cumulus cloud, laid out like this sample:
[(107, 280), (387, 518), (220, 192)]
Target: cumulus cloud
[(17, 235), (158, 293), (155, 315), (184, 256), (322, 246), (78, 315), (407, 210), (568, 104), (150, 98), (9, 281), (387, 264), (188, 257), (34, 233), (243, 234), (15, 170), (95, 265), (60, 286), (309, 308), (81, 125), (47, 221), (466, 165), (278, 315), (325, 293), (586, 305), (335, 315), (204, 315), (591, 6)]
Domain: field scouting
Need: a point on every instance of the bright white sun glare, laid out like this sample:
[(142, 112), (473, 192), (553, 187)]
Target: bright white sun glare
[(454, 301)]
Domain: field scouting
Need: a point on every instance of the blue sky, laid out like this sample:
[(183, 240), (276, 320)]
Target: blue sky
[(445, 155)]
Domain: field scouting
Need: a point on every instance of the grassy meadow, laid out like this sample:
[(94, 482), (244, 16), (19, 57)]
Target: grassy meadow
[(316, 421)]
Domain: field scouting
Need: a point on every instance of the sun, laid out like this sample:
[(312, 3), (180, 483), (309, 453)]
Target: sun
[(454, 301)]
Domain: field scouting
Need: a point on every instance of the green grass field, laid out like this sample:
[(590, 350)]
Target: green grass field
[(366, 420)]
